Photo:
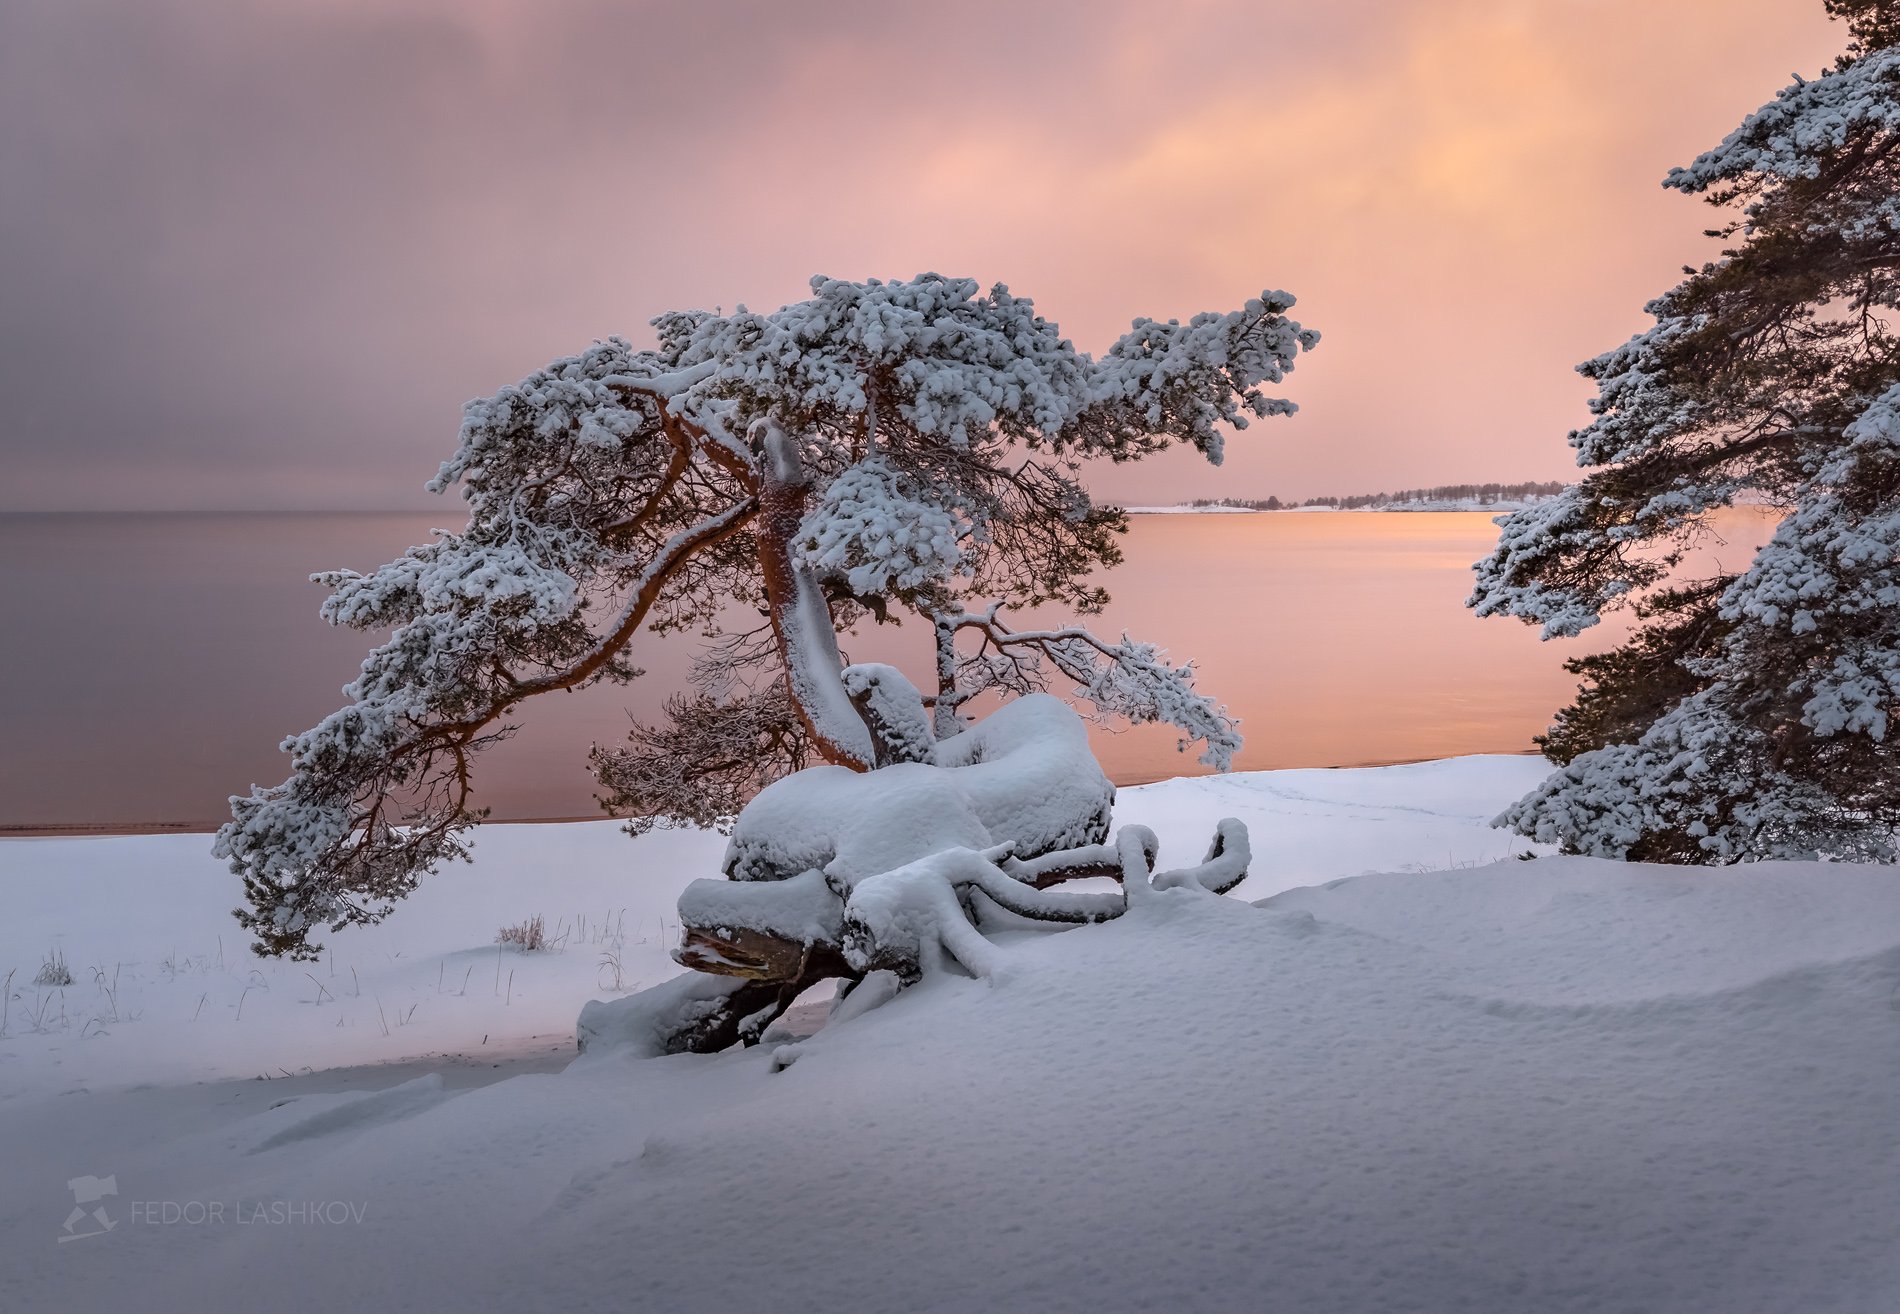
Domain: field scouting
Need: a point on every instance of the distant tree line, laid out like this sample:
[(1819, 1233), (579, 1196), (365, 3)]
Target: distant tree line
[(1482, 493)]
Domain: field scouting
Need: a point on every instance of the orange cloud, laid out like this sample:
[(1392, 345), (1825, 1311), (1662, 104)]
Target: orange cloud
[(354, 215)]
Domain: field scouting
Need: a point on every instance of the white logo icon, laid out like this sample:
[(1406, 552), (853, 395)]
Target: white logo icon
[(90, 1191)]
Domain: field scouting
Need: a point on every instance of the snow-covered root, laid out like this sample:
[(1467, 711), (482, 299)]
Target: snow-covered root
[(1072, 864), (1023, 774), (757, 945), (856, 998), (893, 711), (1027, 770), (896, 920), (1136, 849), (765, 930), (1025, 900), (694, 1013), (1224, 867)]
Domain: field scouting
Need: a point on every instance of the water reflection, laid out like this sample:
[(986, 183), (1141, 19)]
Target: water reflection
[(152, 663)]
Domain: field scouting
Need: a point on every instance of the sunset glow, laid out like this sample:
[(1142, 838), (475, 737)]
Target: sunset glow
[(1067, 655), (258, 259)]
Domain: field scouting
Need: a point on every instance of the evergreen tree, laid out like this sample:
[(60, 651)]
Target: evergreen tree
[(877, 450), (1752, 715)]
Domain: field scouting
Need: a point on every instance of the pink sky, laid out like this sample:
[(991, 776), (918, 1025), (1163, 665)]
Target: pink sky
[(258, 257)]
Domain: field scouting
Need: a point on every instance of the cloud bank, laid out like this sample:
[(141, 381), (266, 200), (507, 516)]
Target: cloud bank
[(257, 256)]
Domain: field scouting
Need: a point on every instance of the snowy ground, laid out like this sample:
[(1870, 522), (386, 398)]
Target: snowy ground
[(1465, 1084)]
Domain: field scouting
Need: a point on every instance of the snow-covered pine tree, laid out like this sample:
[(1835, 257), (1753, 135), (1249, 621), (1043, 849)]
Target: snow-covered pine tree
[(1752, 715), (877, 450)]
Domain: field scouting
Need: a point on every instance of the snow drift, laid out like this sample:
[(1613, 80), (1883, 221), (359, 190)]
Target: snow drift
[(1559, 1085)]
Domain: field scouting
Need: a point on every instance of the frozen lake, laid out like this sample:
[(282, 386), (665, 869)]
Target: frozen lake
[(153, 662)]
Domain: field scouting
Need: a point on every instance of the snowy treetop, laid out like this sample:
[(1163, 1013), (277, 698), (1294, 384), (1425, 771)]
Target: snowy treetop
[(1792, 135), (955, 364)]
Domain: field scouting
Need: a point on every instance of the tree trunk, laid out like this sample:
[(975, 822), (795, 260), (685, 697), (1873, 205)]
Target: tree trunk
[(756, 955), (801, 616), (741, 1017), (946, 719)]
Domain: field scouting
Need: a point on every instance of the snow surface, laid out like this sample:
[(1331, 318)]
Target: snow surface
[(1567, 1084), (1027, 770)]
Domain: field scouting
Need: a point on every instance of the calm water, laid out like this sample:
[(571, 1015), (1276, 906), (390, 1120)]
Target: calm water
[(151, 664)]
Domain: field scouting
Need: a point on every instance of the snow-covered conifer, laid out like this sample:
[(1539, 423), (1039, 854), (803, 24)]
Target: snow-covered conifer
[(875, 450), (1753, 715)]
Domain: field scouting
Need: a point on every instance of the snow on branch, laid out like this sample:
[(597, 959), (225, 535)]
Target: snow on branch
[(1127, 679), (1185, 380), (1792, 135), (379, 790), (869, 529), (910, 443), (1784, 752)]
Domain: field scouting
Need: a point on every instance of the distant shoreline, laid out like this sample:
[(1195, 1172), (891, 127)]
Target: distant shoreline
[(1493, 496), (103, 829), (205, 829), (1403, 508)]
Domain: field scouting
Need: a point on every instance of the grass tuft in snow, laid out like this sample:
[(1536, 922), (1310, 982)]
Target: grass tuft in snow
[(53, 971), (528, 936)]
